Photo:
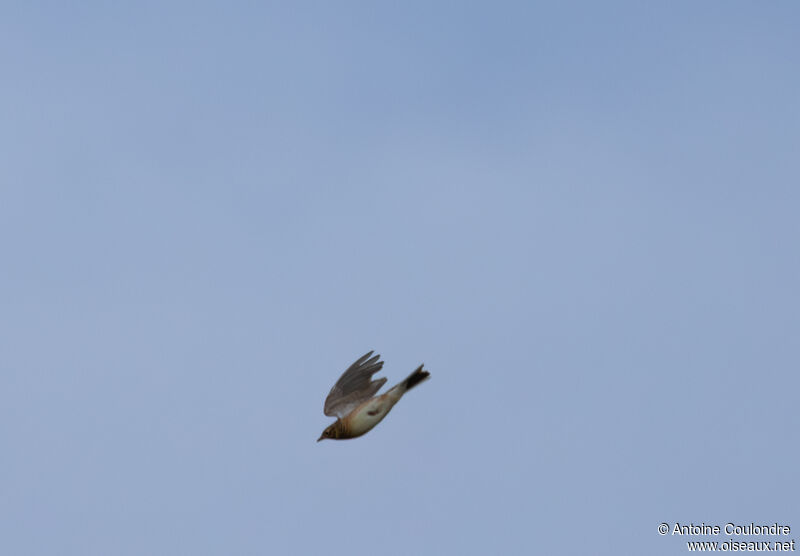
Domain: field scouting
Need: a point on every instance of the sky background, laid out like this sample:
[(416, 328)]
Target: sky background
[(582, 218)]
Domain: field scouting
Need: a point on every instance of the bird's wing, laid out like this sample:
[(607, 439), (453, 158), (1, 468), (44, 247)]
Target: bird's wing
[(354, 386)]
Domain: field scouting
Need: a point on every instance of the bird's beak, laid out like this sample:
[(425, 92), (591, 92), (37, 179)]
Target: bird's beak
[(321, 437)]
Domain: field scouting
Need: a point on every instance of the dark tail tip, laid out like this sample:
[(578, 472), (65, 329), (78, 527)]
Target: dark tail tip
[(416, 377)]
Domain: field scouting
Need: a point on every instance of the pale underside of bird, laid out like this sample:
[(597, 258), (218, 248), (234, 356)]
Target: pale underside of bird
[(353, 402)]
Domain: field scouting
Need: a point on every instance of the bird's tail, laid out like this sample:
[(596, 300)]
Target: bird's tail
[(415, 378)]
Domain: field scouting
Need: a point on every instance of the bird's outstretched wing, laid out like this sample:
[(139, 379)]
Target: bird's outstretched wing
[(354, 386)]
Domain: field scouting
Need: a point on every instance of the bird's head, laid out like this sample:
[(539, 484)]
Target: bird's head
[(334, 430)]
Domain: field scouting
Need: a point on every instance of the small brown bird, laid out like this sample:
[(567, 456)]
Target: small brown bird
[(351, 398)]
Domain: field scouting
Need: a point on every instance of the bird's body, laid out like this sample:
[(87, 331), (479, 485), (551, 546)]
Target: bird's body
[(351, 398)]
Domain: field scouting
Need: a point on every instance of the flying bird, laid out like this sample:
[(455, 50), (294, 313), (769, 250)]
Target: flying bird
[(351, 399)]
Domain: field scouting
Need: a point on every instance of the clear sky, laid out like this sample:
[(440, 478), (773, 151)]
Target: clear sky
[(583, 219)]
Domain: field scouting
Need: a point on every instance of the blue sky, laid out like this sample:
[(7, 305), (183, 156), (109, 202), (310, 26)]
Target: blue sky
[(582, 218)]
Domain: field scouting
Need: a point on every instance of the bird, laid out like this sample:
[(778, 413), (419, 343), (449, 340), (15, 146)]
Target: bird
[(353, 402)]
